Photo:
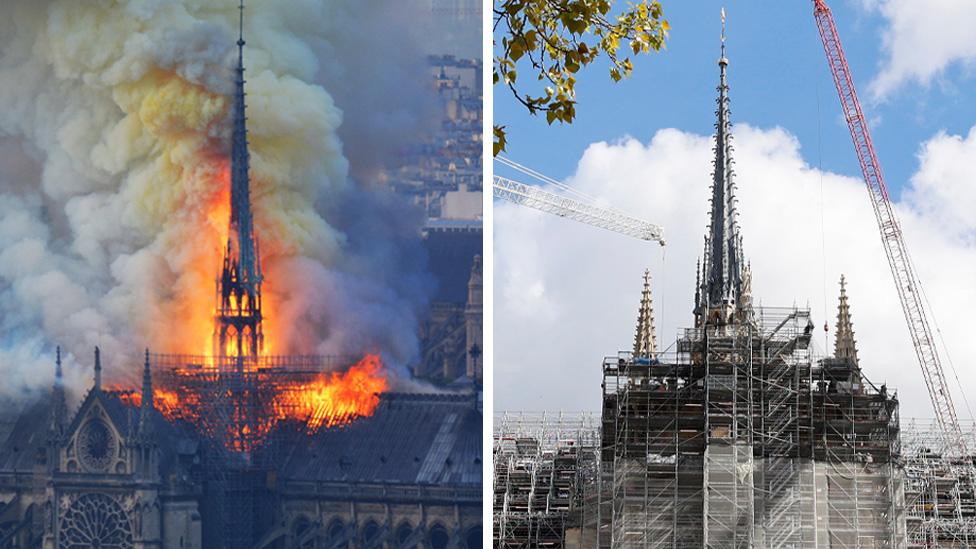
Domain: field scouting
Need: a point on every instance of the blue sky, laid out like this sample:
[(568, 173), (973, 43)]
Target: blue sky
[(778, 77)]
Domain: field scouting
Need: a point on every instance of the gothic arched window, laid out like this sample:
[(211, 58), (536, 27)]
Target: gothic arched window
[(95, 520), (439, 538), (336, 531), (473, 538), (300, 529), (371, 533), (403, 533)]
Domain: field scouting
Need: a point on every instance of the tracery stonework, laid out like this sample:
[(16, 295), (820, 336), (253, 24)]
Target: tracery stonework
[(95, 521), (96, 445)]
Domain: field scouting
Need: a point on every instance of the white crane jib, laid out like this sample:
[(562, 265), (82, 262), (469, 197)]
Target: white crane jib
[(577, 210)]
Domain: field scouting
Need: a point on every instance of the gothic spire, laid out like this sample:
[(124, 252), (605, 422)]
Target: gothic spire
[(241, 219), (98, 369), (723, 261), (237, 330), (145, 411), (645, 341), (844, 344)]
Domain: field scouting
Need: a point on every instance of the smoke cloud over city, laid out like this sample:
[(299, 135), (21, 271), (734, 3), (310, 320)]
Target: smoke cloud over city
[(114, 175)]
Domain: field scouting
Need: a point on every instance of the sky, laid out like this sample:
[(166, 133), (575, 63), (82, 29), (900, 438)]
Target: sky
[(566, 294), (779, 77)]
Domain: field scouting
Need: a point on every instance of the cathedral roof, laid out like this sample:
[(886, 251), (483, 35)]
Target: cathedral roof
[(409, 439), (26, 437), (22, 443)]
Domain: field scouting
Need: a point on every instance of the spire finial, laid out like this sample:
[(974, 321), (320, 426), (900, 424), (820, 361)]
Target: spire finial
[(845, 346), (723, 61), (57, 368), (98, 368), (645, 341)]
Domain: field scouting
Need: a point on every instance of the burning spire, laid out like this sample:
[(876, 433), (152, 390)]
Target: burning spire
[(844, 344), (722, 276), (237, 327), (645, 341)]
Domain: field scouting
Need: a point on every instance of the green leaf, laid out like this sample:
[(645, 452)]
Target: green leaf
[(499, 142)]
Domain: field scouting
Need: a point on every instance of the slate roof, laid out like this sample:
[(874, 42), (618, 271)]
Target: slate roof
[(409, 439), (27, 439)]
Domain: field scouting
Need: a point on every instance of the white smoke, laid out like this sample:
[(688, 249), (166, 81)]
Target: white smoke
[(113, 142)]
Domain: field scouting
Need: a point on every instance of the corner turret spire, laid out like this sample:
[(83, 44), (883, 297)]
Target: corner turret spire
[(722, 276), (146, 407), (59, 408), (645, 340), (845, 346), (98, 369)]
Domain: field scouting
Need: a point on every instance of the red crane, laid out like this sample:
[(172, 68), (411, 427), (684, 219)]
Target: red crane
[(906, 280)]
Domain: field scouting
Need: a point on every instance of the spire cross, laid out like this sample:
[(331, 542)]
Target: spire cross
[(723, 60), (240, 35), (723, 26)]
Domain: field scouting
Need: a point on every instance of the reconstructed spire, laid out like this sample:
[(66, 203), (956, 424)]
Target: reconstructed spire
[(238, 330), (645, 341), (145, 412), (723, 262), (844, 344), (98, 369)]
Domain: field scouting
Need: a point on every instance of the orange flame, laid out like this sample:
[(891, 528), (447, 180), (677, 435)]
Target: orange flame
[(338, 398), (322, 401)]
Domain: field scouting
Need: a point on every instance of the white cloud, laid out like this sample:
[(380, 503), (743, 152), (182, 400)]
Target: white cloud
[(922, 39), (567, 294)]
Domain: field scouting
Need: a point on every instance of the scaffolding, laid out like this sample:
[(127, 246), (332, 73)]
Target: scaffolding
[(940, 500), (736, 438), (546, 468), (703, 443)]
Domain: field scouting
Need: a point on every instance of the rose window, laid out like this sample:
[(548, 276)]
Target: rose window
[(95, 521), (96, 445)]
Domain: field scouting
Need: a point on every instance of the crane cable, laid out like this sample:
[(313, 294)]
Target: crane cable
[(823, 231), (945, 348)]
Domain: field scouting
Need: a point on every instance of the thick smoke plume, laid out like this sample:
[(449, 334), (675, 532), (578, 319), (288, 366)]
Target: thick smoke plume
[(114, 180)]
